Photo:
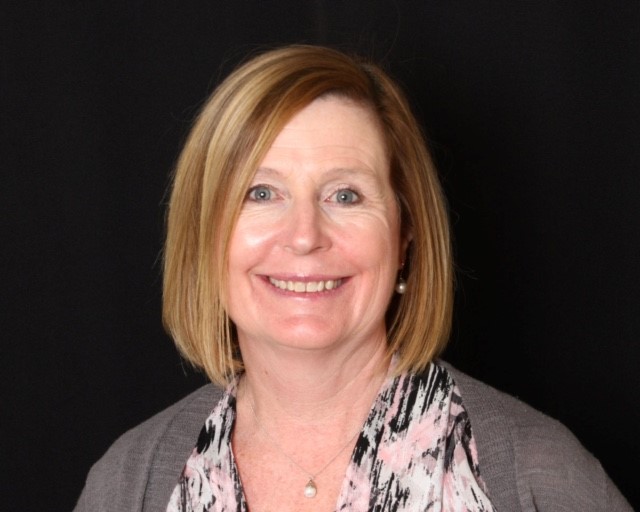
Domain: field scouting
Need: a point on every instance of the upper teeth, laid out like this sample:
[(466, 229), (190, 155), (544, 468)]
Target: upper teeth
[(306, 287)]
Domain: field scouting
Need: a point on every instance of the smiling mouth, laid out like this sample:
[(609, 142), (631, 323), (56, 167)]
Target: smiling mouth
[(306, 287)]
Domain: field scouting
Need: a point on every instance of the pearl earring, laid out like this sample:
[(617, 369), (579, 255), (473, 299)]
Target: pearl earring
[(401, 286)]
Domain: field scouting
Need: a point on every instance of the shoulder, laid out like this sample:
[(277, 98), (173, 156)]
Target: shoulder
[(139, 471), (528, 460)]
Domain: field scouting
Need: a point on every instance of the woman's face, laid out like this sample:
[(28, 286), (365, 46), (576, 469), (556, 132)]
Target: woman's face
[(315, 253)]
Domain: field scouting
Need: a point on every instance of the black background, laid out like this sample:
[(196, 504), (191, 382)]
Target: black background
[(532, 111)]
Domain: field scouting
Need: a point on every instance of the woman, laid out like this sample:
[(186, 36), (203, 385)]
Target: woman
[(308, 272)]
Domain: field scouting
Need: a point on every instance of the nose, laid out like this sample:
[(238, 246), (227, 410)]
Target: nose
[(306, 228)]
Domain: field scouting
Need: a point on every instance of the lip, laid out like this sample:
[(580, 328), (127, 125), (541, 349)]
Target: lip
[(307, 286)]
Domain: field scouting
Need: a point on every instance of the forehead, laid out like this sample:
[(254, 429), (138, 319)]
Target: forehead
[(332, 127)]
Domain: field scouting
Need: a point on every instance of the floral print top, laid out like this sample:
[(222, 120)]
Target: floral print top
[(416, 452)]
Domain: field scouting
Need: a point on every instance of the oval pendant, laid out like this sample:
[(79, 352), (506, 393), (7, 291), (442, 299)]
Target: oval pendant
[(310, 490)]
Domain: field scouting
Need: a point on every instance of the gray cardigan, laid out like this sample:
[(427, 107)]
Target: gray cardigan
[(528, 461)]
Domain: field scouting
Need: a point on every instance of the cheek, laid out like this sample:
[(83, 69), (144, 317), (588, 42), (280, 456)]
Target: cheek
[(382, 229), (250, 235), (244, 249), (374, 245)]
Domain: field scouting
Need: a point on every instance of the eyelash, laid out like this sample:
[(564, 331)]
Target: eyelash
[(350, 190), (259, 187), (334, 196)]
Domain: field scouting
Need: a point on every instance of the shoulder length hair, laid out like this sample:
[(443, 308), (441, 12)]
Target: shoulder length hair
[(226, 145)]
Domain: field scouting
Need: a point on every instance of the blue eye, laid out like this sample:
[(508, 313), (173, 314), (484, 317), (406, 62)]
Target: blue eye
[(346, 196), (260, 193)]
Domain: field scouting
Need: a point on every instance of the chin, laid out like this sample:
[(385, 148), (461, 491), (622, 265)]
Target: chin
[(308, 337), (308, 341)]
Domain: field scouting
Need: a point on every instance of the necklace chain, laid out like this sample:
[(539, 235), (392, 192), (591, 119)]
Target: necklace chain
[(311, 488)]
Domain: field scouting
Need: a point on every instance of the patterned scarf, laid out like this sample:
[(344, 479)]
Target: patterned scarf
[(416, 452)]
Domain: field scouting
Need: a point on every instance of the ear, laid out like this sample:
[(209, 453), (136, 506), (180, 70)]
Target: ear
[(404, 245)]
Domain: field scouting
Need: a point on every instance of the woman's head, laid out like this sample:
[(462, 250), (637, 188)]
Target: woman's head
[(230, 139)]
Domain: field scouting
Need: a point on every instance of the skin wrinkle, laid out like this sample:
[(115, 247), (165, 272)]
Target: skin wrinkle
[(310, 225)]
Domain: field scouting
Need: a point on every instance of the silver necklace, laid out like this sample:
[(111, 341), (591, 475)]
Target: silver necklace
[(311, 489)]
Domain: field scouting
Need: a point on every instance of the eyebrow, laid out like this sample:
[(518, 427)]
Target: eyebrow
[(335, 171), (269, 171)]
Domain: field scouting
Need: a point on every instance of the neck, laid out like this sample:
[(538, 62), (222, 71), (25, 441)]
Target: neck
[(313, 387)]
